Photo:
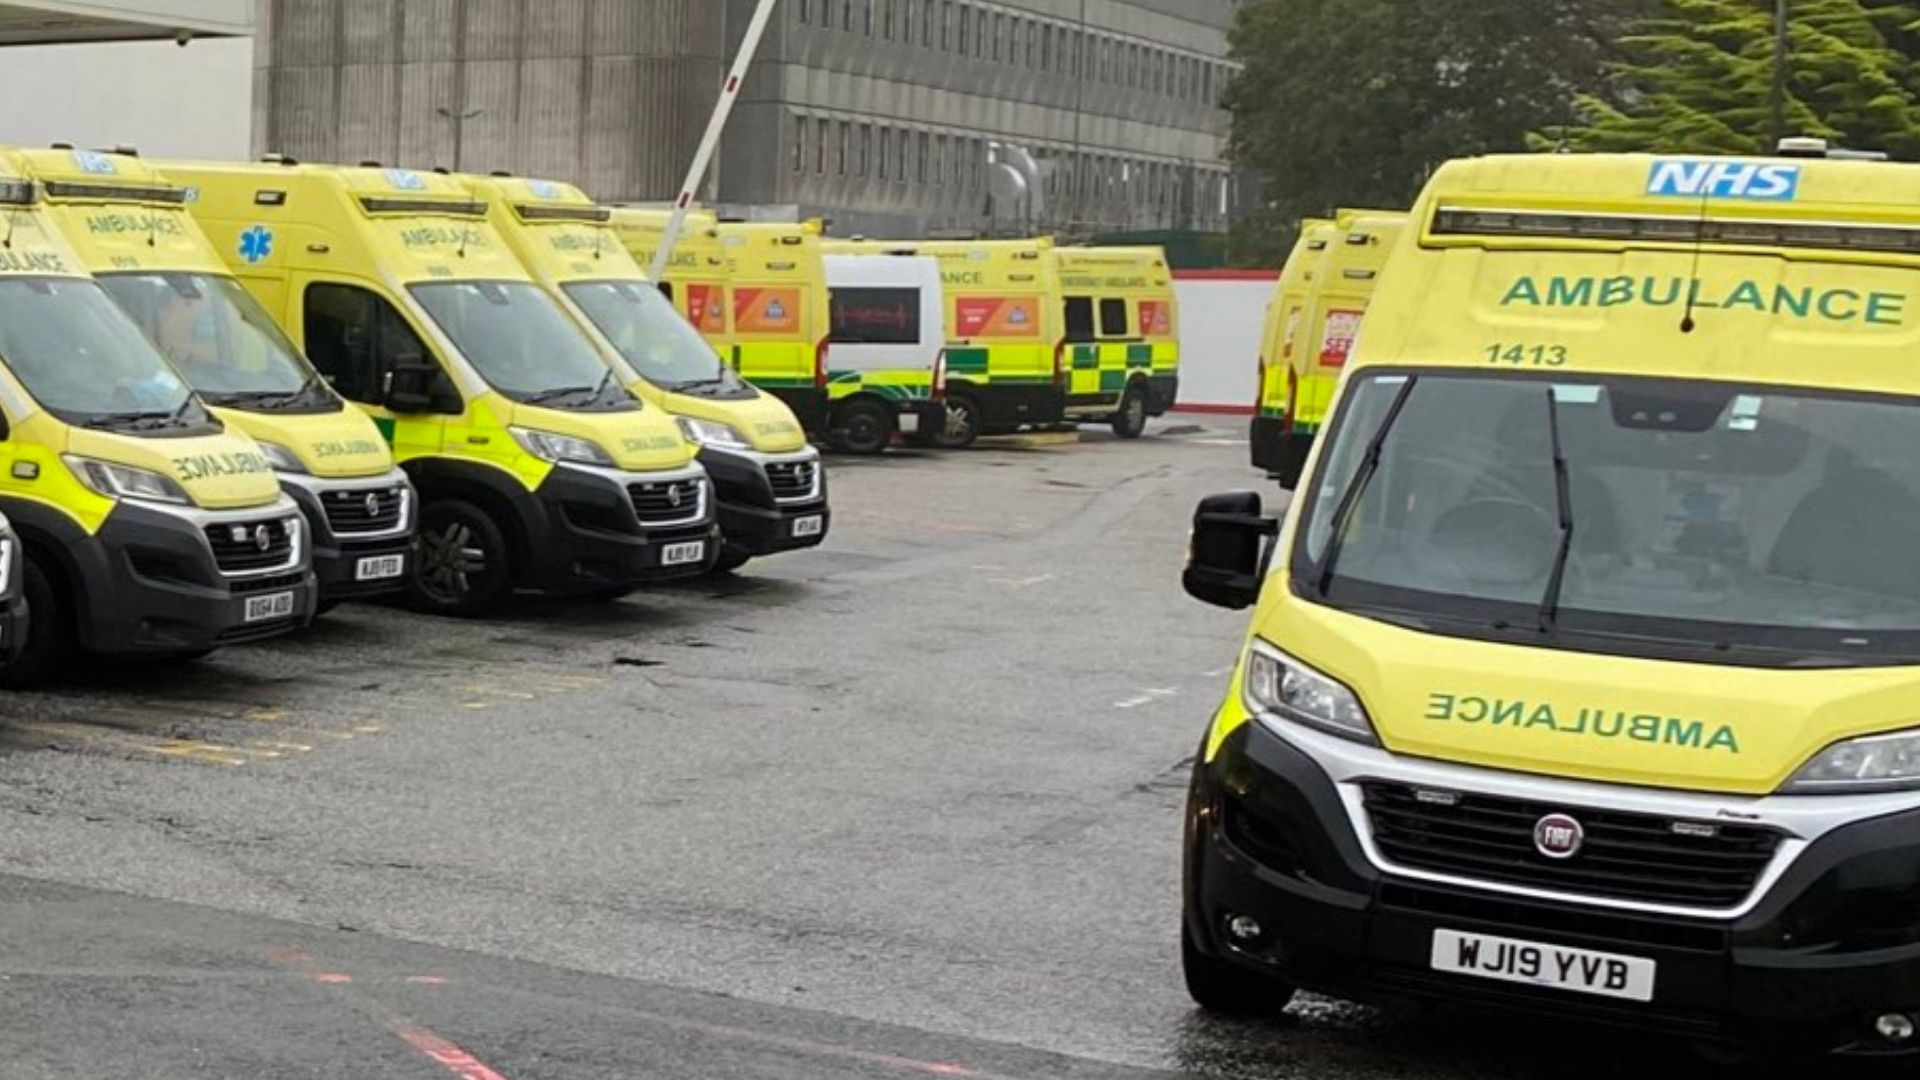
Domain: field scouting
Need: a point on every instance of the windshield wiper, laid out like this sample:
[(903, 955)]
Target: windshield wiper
[(153, 420), (542, 397), (1563, 496), (700, 384), (1362, 475)]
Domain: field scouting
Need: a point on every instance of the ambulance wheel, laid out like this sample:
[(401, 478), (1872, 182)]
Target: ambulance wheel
[(863, 427), (963, 424), (1131, 421), (1225, 990), (463, 561), (50, 645)]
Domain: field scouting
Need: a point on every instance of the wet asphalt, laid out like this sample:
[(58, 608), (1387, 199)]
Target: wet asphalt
[(906, 805)]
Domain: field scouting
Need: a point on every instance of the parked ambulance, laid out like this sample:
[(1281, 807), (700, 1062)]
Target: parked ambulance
[(536, 467), (149, 527), (889, 344), (1319, 306), (696, 274), (1122, 357), (769, 486), (131, 228), (1583, 670)]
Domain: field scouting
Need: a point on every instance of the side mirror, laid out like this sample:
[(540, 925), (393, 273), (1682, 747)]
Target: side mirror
[(1294, 448), (1227, 558), (417, 386)]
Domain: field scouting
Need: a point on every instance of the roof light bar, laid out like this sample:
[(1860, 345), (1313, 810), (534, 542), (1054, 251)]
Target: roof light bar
[(18, 193), (63, 189), (379, 205), (597, 215), (1892, 239)]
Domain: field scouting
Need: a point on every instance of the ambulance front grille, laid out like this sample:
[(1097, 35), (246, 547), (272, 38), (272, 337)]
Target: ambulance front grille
[(1623, 856)]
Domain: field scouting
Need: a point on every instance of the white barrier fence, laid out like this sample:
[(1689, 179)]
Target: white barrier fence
[(1221, 312)]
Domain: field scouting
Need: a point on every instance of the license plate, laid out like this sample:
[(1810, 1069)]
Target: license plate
[(809, 525), (376, 567), (680, 554), (909, 423), (1509, 960), (277, 605)]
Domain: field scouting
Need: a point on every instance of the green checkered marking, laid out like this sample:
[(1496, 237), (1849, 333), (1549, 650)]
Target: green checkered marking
[(1112, 382), (966, 361), (385, 425)]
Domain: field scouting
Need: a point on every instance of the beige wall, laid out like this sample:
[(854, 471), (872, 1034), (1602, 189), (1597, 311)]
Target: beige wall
[(155, 95)]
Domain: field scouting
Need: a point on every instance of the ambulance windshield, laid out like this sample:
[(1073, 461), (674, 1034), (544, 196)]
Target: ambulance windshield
[(523, 345), (1702, 520), (220, 338), (650, 334), (85, 362)]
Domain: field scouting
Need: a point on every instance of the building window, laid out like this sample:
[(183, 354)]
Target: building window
[(801, 11), (865, 153), (886, 18), (799, 144), (999, 31), (881, 164), (920, 157), (846, 15), (820, 135), (1034, 57), (843, 151), (966, 30), (1046, 46)]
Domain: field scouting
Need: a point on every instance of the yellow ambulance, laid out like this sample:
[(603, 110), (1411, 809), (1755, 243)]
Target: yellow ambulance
[(1006, 348), (150, 528), (769, 487), (696, 276), (1275, 443), (1584, 672), (777, 309), (1123, 353), (131, 229), (1316, 341), (536, 468)]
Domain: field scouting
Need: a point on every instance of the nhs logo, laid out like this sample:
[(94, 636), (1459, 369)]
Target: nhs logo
[(1720, 178)]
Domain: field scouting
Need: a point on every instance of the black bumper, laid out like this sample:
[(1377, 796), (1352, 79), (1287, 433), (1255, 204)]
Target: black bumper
[(14, 615), (809, 404), (150, 586), (581, 534), (1277, 448), (1834, 944), (752, 522), (336, 560), (1162, 391)]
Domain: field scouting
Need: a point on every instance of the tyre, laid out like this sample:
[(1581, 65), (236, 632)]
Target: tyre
[(1225, 990), (1131, 421), (729, 561), (863, 426), (964, 424), (464, 562), (51, 646)]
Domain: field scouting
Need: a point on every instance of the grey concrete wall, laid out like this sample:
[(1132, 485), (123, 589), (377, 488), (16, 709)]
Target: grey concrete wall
[(611, 94), (1117, 97)]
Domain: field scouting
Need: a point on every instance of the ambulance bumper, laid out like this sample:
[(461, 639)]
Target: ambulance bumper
[(1162, 391), (13, 607), (757, 520), (1828, 944), (152, 585), (354, 555), (585, 534)]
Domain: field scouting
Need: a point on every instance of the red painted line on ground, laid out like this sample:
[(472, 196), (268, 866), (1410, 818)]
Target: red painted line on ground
[(330, 978), (810, 1048), (436, 1049), (1216, 410), (427, 980)]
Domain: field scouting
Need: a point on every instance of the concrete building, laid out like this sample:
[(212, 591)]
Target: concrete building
[(889, 116)]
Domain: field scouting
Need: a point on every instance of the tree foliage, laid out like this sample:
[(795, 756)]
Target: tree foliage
[(1354, 102), (1698, 76)]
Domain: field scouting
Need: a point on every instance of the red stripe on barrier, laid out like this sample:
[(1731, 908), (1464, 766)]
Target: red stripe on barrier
[(1217, 410), (1225, 275)]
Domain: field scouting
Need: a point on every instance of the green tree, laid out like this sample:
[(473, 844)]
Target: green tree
[(1697, 76), (1354, 102)]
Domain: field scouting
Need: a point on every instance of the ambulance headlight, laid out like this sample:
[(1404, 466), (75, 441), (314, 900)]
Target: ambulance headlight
[(284, 460), (713, 433), (552, 446), (116, 481), (1280, 690), (1869, 763)]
